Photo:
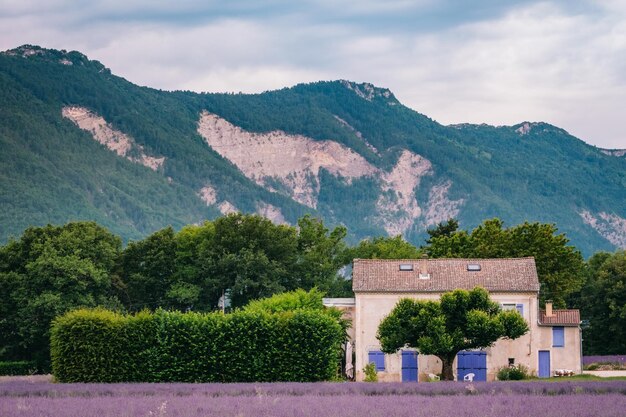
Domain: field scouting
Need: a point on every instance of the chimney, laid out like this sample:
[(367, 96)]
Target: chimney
[(549, 308)]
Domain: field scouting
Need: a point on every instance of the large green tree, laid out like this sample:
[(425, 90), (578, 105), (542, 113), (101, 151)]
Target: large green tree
[(460, 320), (246, 256), (250, 256), (321, 254), (603, 304), (560, 267), (383, 247), (49, 271), (146, 270)]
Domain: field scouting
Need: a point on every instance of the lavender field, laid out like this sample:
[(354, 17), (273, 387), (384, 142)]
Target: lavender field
[(616, 359), (515, 399)]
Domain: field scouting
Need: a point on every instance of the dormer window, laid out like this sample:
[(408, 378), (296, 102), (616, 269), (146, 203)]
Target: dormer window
[(406, 267), (473, 267)]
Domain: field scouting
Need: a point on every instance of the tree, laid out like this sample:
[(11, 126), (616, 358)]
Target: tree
[(443, 229), (384, 248), (190, 288), (559, 266), (603, 304), (321, 254), (146, 269), (49, 271), (460, 320), (251, 256)]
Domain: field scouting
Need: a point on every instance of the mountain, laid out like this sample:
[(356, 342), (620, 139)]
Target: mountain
[(81, 143)]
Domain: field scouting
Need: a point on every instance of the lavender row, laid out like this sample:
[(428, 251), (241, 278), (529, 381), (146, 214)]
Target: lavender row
[(621, 359), (345, 405), (13, 389)]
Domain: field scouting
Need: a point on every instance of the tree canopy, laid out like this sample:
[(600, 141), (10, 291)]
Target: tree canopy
[(559, 266), (460, 320), (383, 247), (49, 271), (603, 304)]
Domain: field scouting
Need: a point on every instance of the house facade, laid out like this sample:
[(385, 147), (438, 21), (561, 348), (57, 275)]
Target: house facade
[(552, 344)]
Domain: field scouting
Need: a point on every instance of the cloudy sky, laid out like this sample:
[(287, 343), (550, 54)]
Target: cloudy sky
[(492, 61)]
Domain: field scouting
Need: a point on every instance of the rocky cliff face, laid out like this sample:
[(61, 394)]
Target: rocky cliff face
[(113, 139), (291, 164), (347, 152), (609, 225), (280, 162)]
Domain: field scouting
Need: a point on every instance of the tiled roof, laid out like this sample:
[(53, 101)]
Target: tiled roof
[(495, 275), (560, 318)]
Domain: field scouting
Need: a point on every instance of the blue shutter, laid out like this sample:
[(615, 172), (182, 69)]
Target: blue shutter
[(544, 364), (558, 336), (409, 366), (378, 358), (474, 362), (520, 309)]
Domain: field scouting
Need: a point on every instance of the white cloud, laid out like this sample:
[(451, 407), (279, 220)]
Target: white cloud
[(537, 61)]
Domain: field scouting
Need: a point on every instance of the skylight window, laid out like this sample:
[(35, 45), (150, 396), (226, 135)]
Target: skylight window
[(473, 267), (406, 267)]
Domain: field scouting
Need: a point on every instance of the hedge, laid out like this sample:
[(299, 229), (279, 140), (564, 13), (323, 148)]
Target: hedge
[(103, 346), (18, 368)]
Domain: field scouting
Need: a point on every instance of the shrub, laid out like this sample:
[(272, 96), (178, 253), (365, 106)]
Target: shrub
[(297, 300), (246, 346), (18, 368), (370, 372), (513, 373)]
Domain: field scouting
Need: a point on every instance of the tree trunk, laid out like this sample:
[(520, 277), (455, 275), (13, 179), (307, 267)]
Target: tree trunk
[(447, 372)]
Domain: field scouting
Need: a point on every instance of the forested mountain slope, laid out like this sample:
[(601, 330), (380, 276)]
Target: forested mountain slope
[(80, 143)]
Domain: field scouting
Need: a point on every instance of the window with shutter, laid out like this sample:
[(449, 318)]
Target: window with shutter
[(558, 336), (518, 307), (378, 358)]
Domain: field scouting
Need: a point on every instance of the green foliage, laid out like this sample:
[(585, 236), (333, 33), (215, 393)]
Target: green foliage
[(460, 320), (288, 301), (384, 248), (321, 253), (442, 229), (370, 372), (146, 268), (246, 255), (295, 301), (603, 303), (246, 346), (54, 269), (251, 256), (49, 271), (18, 368), (545, 175), (559, 266), (513, 373)]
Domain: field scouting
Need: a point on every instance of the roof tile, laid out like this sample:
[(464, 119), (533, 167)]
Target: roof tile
[(444, 274), (561, 317)]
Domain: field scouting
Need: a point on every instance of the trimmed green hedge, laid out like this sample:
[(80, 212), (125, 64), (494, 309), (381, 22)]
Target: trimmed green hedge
[(103, 346), (18, 368)]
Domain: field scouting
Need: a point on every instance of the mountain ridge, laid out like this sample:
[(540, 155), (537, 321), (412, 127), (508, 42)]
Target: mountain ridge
[(529, 171)]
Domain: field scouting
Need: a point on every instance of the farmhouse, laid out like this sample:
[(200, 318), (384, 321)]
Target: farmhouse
[(552, 344)]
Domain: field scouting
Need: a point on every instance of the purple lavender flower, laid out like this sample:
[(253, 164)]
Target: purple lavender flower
[(21, 398)]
